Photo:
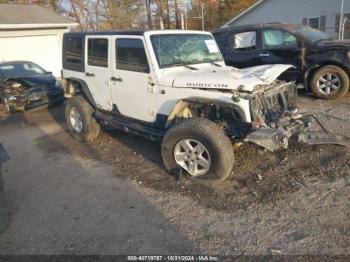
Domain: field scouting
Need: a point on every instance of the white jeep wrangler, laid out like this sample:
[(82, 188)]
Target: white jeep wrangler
[(173, 86)]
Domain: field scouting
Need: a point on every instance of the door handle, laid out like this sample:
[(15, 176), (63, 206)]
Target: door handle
[(116, 79), (89, 74), (264, 55)]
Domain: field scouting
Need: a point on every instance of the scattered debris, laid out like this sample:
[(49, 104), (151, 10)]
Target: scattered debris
[(275, 252), (284, 160), (237, 145), (297, 236)]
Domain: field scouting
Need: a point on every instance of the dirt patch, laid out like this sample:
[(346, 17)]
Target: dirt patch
[(293, 201), (257, 177)]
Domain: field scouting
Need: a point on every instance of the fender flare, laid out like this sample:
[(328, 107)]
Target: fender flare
[(84, 89), (184, 103)]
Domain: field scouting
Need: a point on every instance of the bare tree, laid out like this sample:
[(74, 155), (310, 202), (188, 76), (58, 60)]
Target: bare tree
[(149, 14)]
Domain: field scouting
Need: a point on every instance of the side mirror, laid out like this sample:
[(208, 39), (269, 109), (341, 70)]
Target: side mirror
[(49, 73)]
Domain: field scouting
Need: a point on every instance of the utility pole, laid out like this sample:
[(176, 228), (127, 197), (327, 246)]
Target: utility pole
[(341, 22), (202, 9), (177, 16), (185, 14)]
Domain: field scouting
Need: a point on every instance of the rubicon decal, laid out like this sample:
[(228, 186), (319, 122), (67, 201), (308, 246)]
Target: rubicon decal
[(207, 85)]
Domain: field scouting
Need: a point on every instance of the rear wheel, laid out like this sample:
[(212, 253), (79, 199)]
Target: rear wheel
[(80, 122), (200, 147), (330, 82)]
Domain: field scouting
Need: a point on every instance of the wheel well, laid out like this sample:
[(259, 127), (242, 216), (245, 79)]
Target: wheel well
[(226, 115), (316, 67), (79, 87)]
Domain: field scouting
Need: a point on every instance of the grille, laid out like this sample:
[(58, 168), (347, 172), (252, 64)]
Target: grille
[(270, 104)]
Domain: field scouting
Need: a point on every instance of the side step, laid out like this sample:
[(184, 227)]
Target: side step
[(129, 126)]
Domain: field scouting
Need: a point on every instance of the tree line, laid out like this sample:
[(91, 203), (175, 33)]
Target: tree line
[(144, 14)]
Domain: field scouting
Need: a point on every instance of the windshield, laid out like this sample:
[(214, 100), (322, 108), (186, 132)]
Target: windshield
[(312, 34), (185, 49), (21, 70)]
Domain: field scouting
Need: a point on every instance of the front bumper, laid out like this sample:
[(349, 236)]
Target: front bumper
[(308, 128), (37, 99)]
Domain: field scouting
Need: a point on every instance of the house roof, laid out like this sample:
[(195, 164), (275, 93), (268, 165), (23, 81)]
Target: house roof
[(249, 9), (30, 16)]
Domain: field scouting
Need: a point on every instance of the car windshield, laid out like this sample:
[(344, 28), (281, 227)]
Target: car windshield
[(21, 70), (312, 34), (185, 49)]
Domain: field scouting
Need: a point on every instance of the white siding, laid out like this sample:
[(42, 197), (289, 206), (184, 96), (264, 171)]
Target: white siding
[(43, 47), (293, 12)]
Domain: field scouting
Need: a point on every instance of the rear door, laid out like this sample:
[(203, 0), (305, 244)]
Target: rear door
[(133, 92), (97, 70), (281, 47), (242, 49)]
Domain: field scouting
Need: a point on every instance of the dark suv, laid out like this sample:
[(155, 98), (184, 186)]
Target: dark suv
[(321, 63)]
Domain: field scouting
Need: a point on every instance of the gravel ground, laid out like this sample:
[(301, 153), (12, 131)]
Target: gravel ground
[(112, 196)]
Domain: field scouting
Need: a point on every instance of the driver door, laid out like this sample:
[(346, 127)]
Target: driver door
[(132, 91)]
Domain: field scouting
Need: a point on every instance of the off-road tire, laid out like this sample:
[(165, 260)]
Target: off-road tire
[(340, 73), (91, 127), (9, 106), (211, 136)]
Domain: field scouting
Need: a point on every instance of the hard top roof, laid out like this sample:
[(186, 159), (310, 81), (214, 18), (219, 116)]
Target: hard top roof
[(254, 26), (118, 32), (135, 32)]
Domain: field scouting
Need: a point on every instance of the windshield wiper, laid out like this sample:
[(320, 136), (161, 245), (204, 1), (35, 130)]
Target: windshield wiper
[(182, 64), (215, 64), (189, 67)]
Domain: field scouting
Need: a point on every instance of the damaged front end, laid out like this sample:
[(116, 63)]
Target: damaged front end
[(15, 92), (25, 94), (276, 119)]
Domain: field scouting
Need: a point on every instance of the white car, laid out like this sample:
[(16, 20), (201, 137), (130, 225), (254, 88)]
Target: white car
[(173, 86)]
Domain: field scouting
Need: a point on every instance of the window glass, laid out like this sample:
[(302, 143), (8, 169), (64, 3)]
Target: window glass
[(246, 40), (185, 49), (98, 52), (21, 70), (314, 22), (278, 39), (312, 34), (131, 55), (74, 50)]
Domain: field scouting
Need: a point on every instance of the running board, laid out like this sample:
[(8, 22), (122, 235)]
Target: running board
[(128, 126)]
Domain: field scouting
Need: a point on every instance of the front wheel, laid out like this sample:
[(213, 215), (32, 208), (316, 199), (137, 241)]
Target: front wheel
[(80, 122), (330, 82), (200, 147)]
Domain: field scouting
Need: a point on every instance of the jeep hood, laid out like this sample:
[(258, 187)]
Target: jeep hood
[(224, 78)]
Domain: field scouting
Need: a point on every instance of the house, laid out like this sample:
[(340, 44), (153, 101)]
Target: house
[(320, 14), (33, 33)]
